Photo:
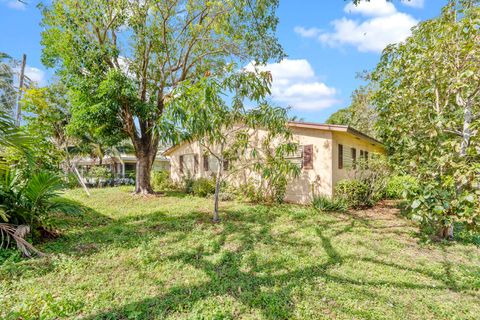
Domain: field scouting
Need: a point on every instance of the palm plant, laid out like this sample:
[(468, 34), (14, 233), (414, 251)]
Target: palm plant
[(33, 200)]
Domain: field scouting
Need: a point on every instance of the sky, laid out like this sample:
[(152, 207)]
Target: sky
[(327, 42)]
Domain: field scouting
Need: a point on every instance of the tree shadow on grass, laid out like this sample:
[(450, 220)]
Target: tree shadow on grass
[(269, 287)]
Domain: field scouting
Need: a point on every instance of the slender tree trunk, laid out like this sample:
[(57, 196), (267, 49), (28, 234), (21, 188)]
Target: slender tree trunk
[(216, 217)]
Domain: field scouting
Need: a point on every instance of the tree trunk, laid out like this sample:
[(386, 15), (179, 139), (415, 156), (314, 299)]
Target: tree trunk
[(446, 232), (145, 158), (218, 181), (216, 217)]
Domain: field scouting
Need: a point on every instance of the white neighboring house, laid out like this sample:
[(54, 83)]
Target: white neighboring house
[(122, 165)]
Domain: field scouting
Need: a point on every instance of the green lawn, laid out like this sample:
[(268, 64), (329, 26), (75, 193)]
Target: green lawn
[(162, 258)]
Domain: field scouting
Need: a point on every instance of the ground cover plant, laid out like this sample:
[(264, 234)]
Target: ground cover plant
[(131, 257)]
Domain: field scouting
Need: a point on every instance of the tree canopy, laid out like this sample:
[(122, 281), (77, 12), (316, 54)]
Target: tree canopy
[(122, 59), (429, 104), (360, 115)]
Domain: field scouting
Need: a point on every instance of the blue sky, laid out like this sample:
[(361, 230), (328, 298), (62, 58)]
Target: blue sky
[(327, 43)]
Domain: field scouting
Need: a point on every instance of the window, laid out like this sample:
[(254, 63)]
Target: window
[(188, 164), (366, 156), (340, 156), (180, 160), (307, 162), (195, 163), (205, 162), (361, 155), (354, 157)]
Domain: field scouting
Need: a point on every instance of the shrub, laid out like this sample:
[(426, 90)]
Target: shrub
[(32, 200), (203, 187), (161, 180), (355, 193), (187, 184), (328, 204), (99, 172), (71, 180), (397, 186)]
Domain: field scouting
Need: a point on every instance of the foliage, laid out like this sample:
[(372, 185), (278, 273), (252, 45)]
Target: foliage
[(32, 200), (203, 187), (398, 186), (121, 59), (229, 132), (355, 193), (8, 93), (277, 255), (71, 180), (161, 180), (428, 117), (439, 202), (187, 184), (99, 172), (327, 204), (360, 115)]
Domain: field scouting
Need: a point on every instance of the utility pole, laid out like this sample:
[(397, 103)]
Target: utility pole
[(20, 87)]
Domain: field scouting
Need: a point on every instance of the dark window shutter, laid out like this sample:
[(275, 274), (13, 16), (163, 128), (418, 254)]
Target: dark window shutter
[(340, 156), (181, 163), (354, 158), (225, 165), (361, 155), (195, 163), (307, 157), (366, 156), (205, 163)]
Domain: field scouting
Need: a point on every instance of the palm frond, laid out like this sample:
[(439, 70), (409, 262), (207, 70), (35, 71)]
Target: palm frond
[(18, 234)]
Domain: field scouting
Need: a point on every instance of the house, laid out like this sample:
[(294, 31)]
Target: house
[(327, 155), (122, 164)]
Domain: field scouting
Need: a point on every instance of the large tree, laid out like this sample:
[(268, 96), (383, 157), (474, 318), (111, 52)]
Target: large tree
[(429, 106), (122, 59)]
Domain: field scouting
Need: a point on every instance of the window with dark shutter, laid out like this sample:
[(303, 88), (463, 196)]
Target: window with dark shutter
[(181, 163), (225, 165), (366, 156), (361, 155), (307, 157), (340, 156), (195, 163), (354, 157), (205, 163)]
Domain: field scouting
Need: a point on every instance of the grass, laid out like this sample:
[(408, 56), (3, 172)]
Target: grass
[(161, 258)]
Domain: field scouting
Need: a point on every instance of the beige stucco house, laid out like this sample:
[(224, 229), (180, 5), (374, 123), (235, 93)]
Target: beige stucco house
[(326, 155)]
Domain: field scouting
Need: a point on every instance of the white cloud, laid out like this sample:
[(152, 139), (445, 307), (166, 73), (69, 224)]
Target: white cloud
[(307, 32), (35, 74), (295, 84), (382, 24), (14, 4), (373, 8), (414, 3)]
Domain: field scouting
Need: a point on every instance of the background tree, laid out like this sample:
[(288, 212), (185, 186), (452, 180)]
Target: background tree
[(230, 131), (8, 93), (429, 105), (123, 58), (361, 113)]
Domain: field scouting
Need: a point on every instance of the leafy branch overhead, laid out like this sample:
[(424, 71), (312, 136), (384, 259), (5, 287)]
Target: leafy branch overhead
[(123, 58), (233, 133)]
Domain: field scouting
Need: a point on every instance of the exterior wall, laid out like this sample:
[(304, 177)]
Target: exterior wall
[(299, 190), (349, 141), (319, 179)]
